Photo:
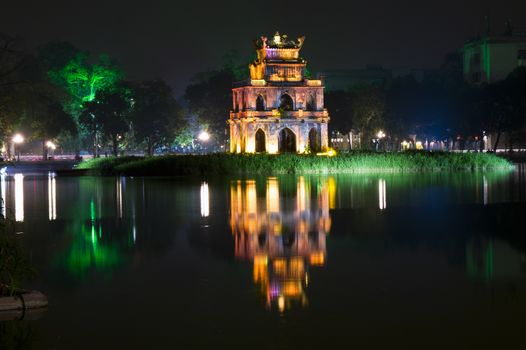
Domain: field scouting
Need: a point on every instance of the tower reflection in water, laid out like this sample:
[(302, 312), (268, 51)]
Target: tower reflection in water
[(282, 231)]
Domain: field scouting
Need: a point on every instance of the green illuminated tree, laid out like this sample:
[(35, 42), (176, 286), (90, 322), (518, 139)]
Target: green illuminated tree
[(82, 80)]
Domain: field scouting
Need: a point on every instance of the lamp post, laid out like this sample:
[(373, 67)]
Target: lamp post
[(380, 135), (203, 136), (51, 147), (17, 139)]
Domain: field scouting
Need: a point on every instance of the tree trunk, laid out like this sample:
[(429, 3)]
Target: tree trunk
[(115, 145), (150, 149), (95, 146), (44, 150), (7, 144)]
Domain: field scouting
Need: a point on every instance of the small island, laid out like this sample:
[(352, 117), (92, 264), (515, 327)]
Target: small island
[(252, 164)]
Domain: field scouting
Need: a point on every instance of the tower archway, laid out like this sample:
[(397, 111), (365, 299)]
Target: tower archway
[(287, 141), (286, 103), (260, 103), (260, 141), (311, 103)]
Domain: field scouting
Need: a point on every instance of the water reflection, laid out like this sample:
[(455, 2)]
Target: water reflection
[(19, 197), (52, 196), (3, 193), (282, 232), (382, 201), (205, 200), (118, 195)]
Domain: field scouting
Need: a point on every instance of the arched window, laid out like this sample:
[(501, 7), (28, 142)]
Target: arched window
[(260, 141), (286, 103), (311, 103), (314, 140), (287, 140), (260, 103)]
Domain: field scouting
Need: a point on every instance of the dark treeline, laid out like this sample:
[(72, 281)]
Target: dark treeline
[(440, 106)]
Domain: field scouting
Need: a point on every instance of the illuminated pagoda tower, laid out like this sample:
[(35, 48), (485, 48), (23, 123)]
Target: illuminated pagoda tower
[(278, 109)]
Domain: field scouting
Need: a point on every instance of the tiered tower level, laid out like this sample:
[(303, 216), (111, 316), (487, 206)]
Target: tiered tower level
[(278, 109)]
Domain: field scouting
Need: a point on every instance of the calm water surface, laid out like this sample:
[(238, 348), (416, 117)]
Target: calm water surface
[(272, 262)]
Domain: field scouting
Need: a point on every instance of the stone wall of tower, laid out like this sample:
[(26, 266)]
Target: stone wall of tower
[(244, 99)]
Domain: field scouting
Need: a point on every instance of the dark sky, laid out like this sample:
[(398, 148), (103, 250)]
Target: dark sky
[(174, 39)]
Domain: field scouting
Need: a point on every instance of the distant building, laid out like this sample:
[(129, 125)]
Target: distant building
[(278, 109), (341, 79), (492, 57)]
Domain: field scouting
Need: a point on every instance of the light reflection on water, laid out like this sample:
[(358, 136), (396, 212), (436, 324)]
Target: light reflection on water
[(19, 197), (312, 250), (283, 236)]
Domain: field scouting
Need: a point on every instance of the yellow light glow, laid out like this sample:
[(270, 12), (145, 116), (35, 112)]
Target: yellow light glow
[(380, 134), (281, 303), (405, 145), (313, 82), (292, 288), (18, 138), (258, 82), (331, 152), (418, 145), (260, 268), (317, 259), (51, 145), (272, 195)]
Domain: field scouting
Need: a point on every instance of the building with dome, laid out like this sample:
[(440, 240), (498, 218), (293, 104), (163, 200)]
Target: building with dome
[(278, 109)]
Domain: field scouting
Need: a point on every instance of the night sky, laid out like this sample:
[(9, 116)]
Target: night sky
[(174, 39)]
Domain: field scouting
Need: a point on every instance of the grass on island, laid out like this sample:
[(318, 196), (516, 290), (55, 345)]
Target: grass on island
[(352, 162)]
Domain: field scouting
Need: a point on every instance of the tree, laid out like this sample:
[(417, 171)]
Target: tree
[(504, 106), (49, 123), (339, 105), (211, 99), (107, 116), (15, 73), (155, 115), (368, 107), (90, 121)]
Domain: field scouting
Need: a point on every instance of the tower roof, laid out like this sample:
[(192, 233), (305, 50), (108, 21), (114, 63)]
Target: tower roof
[(279, 42)]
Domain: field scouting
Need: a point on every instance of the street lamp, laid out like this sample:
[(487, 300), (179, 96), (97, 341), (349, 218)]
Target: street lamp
[(51, 147), (203, 136), (380, 135), (17, 139)]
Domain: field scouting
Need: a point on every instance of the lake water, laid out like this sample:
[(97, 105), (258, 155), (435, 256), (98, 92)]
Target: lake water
[(272, 262)]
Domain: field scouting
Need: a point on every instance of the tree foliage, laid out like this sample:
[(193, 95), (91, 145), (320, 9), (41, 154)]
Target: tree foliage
[(155, 115)]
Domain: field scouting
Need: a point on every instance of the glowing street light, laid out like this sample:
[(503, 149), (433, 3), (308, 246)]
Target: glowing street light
[(17, 139), (203, 136), (51, 145), (380, 135)]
